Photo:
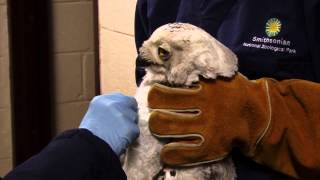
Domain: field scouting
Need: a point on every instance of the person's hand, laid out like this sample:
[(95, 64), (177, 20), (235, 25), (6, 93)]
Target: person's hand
[(113, 118), (274, 123), (208, 119)]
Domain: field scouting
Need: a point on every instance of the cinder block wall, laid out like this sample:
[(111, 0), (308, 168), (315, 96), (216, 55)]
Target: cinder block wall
[(74, 62), (5, 109), (74, 65), (117, 48)]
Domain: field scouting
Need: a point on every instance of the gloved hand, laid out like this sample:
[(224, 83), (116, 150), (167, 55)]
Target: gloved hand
[(113, 118), (275, 123)]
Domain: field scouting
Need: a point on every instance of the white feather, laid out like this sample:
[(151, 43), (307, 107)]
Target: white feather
[(193, 53)]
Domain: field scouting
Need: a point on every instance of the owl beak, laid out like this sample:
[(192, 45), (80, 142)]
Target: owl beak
[(146, 62), (142, 62)]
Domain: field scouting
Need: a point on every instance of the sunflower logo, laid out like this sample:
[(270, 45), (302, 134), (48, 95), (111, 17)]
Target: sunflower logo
[(273, 27)]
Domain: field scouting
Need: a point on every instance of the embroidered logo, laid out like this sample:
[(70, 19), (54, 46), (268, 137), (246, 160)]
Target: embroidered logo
[(270, 41), (273, 27)]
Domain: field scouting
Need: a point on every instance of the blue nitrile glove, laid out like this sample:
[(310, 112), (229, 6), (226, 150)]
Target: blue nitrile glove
[(113, 118)]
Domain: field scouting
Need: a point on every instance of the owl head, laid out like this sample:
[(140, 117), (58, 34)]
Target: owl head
[(180, 52)]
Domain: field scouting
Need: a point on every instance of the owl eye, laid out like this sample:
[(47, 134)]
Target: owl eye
[(163, 54)]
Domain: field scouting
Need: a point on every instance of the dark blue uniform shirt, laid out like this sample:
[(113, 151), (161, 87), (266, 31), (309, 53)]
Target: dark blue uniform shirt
[(272, 38)]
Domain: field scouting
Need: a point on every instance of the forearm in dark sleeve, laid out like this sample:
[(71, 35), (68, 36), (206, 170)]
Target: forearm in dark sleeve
[(75, 154)]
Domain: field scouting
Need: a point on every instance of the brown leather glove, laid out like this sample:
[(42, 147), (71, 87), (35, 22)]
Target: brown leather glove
[(275, 123)]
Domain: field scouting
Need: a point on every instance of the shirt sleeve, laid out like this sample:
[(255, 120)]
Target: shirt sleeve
[(75, 154)]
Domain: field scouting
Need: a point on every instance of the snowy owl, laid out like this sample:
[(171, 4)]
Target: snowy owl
[(178, 53)]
